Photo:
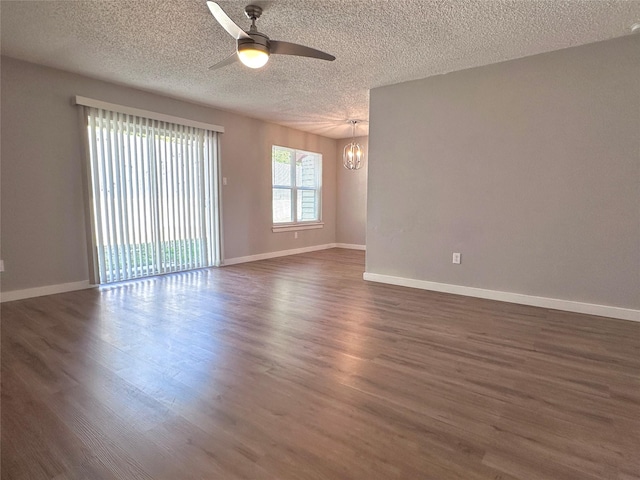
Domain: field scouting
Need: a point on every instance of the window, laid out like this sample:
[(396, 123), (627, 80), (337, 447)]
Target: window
[(297, 187), (154, 196)]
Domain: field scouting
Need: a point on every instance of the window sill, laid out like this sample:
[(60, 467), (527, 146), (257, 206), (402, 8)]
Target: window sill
[(296, 227)]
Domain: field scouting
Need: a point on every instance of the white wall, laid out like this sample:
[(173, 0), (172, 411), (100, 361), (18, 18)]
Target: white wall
[(529, 168), (351, 220), (42, 237)]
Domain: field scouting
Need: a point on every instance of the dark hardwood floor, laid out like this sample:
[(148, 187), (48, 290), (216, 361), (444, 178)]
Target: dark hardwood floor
[(295, 368)]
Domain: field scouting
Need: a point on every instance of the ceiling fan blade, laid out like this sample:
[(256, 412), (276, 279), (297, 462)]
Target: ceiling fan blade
[(227, 61), (223, 19), (286, 48)]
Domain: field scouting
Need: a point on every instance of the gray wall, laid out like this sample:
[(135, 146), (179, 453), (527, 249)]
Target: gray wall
[(529, 168), (351, 221), (43, 238)]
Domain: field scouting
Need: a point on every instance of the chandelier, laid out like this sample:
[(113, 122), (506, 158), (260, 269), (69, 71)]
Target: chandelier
[(353, 155)]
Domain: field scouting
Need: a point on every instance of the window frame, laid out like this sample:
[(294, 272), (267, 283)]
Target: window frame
[(296, 225)]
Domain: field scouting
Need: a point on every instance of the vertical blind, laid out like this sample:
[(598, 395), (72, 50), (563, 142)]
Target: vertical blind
[(153, 195)]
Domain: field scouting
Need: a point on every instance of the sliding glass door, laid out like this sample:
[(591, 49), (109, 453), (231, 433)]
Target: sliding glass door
[(154, 196)]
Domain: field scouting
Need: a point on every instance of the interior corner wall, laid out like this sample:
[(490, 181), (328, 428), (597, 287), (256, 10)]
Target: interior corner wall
[(43, 239), (529, 168), (351, 217)]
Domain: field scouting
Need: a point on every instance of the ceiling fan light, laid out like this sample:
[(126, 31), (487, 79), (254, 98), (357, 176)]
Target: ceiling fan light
[(253, 56)]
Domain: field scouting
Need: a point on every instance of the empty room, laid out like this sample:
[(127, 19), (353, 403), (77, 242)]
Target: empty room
[(308, 239)]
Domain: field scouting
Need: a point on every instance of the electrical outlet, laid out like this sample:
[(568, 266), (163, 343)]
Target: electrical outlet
[(224, 180), (1, 265), (295, 234), (456, 258)]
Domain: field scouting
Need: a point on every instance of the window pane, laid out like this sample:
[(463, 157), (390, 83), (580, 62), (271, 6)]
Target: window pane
[(297, 183), (307, 206), (282, 205), (281, 166), (306, 170)]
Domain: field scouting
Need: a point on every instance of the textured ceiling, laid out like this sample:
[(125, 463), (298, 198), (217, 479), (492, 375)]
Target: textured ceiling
[(166, 46)]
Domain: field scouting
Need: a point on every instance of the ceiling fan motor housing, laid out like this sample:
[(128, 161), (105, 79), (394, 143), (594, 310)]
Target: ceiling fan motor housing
[(258, 41)]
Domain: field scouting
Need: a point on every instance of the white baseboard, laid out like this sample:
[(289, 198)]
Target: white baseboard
[(295, 251), (544, 302), (352, 246), (280, 253), (42, 291)]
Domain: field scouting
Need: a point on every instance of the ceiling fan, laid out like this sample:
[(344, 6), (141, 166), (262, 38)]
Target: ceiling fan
[(253, 48)]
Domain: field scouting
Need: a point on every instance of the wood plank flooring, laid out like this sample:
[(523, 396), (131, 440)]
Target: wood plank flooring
[(295, 368)]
